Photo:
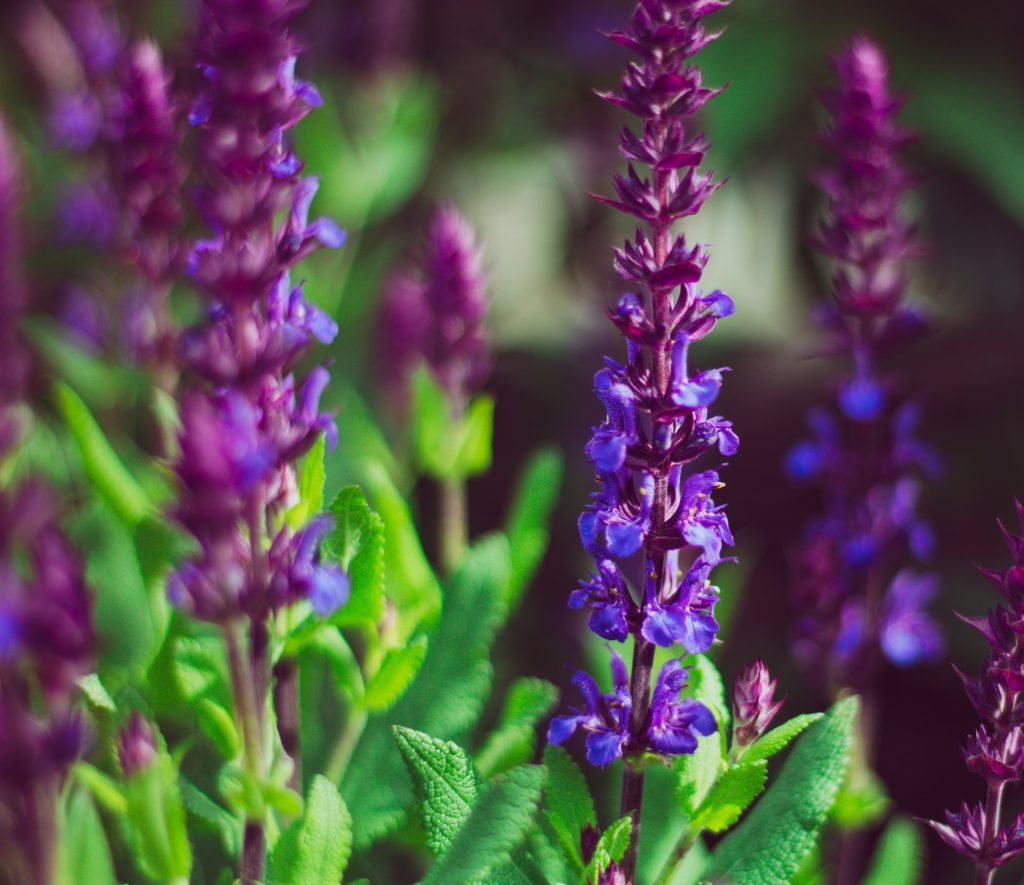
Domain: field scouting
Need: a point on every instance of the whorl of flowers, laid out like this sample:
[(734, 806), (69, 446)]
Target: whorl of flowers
[(654, 517), (243, 431), (46, 633), (995, 752), (853, 585), (435, 314)]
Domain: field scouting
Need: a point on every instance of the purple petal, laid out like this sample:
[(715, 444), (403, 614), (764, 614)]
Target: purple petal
[(562, 728), (329, 590), (603, 747)]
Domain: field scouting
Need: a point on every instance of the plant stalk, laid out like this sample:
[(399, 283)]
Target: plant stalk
[(993, 811), (454, 524), (288, 715), (686, 841)]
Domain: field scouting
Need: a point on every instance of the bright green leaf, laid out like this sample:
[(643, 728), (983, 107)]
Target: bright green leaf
[(111, 479), (104, 788), (731, 795), (219, 724), (311, 486), (357, 545), (213, 816), (157, 820), (84, 852), (498, 822), (778, 738), (772, 842), (527, 523), (569, 804), (314, 849), (697, 772), (899, 855), (475, 435), (397, 670), (96, 693), (445, 784), (514, 740), (610, 847)]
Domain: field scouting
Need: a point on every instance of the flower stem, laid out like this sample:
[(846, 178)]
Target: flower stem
[(993, 810), (254, 843), (686, 841), (345, 746), (453, 524), (633, 774)]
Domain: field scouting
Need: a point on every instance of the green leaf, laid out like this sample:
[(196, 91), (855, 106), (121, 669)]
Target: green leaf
[(398, 669), (219, 724), (445, 699), (445, 784), (778, 738), (899, 855), (498, 822), (475, 435), (782, 829), (314, 849), (696, 773), (528, 518), (104, 788), (157, 820), (357, 545), (311, 486), (514, 741), (862, 799), (732, 793), (214, 816), (107, 473), (84, 852), (411, 583), (569, 804), (96, 693), (610, 847)]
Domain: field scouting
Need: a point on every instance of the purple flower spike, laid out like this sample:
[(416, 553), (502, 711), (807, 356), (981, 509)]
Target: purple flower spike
[(604, 717), (435, 315), (676, 724), (136, 745), (870, 531)]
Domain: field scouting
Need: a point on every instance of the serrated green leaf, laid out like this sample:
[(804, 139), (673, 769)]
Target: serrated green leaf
[(96, 693), (899, 855), (357, 545), (514, 740), (781, 830), (157, 820), (84, 851), (111, 479), (527, 523), (348, 675), (219, 724), (570, 806), (433, 441), (610, 847), (778, 738), (697, 772), (498, 822), (732, 793), (410, 581), (311, 486), (444, 700), (397, 670), (445, 784), (314, 849), (214, 816)]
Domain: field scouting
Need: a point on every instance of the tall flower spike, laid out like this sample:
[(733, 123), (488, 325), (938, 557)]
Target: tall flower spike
[(436, 313), (859, 598), (653, 517), (995, 752), (46, 632)]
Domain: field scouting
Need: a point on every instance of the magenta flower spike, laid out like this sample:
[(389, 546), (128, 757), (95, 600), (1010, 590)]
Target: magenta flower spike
[(653, 517), (995, 752), (856, 582)]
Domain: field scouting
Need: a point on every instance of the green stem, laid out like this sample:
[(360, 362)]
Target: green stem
[(686, 841), (346, 745), (454, 524)]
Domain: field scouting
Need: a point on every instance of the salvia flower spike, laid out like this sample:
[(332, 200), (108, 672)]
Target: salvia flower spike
[(995, 752), (47, 642), (653, 515), (855, 584), (754, 705)]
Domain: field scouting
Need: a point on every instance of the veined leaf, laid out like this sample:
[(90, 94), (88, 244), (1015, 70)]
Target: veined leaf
[(314, 849), (84, 852), (610, 847), (157, 820), (445, 784), (732, 793), (396, 673), (570, 806), (778, 738), (698, 771), (357, 545), (782, 829), (528, 518), (514, 740), (311, 486), (497, 824), (899, 855)]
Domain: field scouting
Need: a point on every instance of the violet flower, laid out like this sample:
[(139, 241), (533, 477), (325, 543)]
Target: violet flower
[(995, 752), (858, 596), (435, 314), (652, 517)]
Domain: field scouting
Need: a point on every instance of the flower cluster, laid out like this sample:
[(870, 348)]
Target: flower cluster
[(850, 585), (995, 752), (46, 633), (754, 705), (658, 420), (437, 315), (243, 432)]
